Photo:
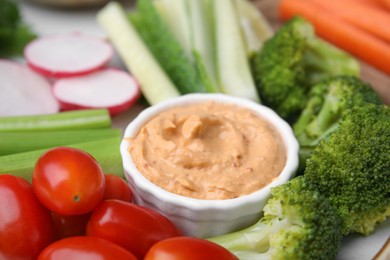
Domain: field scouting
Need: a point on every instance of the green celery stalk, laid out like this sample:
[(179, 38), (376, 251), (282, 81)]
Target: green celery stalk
[(80, 119), (155, 84), (17, 142), (232, 62), (105, 151), (166, 48)]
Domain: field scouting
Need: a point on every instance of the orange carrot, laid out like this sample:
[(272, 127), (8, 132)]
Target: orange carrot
[(339, 32), (371, 19), (373, 3), (385, 3)]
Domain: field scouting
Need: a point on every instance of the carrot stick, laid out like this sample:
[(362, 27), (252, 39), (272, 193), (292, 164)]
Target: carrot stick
[(364, 16), (385, 3), (339, 32), (373, 3)]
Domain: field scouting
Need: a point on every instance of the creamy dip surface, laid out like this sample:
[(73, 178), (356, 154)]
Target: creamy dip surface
[(209, 151)]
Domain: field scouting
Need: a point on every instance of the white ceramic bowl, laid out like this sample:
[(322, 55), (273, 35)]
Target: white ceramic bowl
[(206, 218)]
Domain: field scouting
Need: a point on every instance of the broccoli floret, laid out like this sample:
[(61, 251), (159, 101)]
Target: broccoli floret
[(14, 33), (291, 62), (298, 223), (326, 104), (352, 168)]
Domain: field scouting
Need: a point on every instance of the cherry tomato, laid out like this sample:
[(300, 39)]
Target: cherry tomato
[(131, 226), (70, 225), (117, 188), (68, 181), (25, 225), (85, 248), (188, 248)]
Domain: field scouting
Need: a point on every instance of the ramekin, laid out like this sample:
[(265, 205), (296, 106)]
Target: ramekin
[(206, 218)]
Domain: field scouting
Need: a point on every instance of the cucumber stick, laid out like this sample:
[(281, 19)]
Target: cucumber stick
[(105, 151), (166, 48), (156, 86), (175, 15), (232, 62), (255, 28), (189, 24), (16, 142), (202, 44)]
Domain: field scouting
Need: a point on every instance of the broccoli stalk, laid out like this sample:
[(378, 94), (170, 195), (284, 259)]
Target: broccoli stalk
[(292, 61), (352, 168), (326, 104), (298, 223)]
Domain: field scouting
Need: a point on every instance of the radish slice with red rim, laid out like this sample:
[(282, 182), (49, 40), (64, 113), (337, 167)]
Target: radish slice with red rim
[(113, 89), (67, 55), (24, 92)]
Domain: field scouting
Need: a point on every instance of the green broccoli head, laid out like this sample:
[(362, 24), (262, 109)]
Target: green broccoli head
[(352, 168), (298, 223), (14, 33), (326, 104), (292, 61)]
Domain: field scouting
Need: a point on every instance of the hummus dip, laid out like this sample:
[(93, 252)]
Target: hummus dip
[(209, 151)]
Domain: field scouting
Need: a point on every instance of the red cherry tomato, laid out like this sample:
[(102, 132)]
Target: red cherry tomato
[(85, 248), (25, 225), (131, 226), (69, 226), (188, 248), (117, 188), (68, 181)]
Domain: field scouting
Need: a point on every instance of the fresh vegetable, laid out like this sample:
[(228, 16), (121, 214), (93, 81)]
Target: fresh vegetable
[(255, 27), (74, 120), (14, 32), (298, 223), (105, 151), (24, 92), (67, 55), (352, 11), (155, 84), (131, 226), (16, 142), (385, 3), (117, 188), (68, 181), (351, 168), (291, 62), (25, 225), (112, 89), (69, 225), (83, 247), (356, 41), (187, 248), (165, 48), (233, 67), (328, 100)]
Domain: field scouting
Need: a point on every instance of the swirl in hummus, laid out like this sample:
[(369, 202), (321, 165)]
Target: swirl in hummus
[(209, 151)]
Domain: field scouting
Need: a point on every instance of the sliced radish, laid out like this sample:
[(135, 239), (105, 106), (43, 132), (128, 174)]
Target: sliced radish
[(67, 55), (110, 88), (24, 92)]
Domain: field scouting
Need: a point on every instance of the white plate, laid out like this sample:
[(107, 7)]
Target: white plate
[(46, 20)]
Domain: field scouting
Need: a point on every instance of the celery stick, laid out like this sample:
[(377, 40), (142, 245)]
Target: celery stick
[(233, 66), (105, 151), (27, 141), (254, 26), (81, 119), (155, 84), (166, 48)]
